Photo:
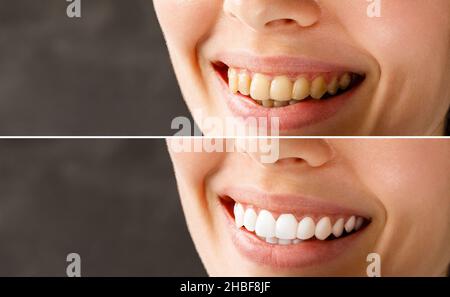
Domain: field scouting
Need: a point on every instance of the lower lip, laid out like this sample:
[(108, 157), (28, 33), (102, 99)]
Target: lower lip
[(304, 254), (292, 117)]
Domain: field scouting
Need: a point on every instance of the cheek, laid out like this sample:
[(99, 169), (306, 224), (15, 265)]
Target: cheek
[(192, 165), (411, 44), (185, 22), (406, 30), (411, 178)]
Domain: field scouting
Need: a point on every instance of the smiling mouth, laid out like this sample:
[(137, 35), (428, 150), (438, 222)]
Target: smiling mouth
[(291, 231), (276, 91)]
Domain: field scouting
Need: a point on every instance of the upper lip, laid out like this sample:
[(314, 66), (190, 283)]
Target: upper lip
[(291, 203), (283, 64)]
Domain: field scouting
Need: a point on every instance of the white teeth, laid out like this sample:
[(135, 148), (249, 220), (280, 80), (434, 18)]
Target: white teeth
[(306, 228), (272, 240), (239, 215), (284, 241), (244, 83), (265, 224), (260, 87), (281, 89), (350, 224), (323, 228), (338, 227), (250, 219), (359, 223), (286, 227)]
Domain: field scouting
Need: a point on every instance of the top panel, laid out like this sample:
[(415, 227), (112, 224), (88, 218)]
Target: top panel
[(296, 68)]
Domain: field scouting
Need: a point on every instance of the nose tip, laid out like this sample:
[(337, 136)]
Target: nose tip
[(269, 14), (312, 152)]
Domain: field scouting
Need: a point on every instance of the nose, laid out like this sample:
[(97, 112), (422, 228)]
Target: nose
[(313, 152), (265, 14)]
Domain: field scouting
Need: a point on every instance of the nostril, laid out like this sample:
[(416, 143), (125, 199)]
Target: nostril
[(281, 22), (292, 161)]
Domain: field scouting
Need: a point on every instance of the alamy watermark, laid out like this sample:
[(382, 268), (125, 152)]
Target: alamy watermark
[(74, 9), (374, 267), (74, 267), (257, 135)]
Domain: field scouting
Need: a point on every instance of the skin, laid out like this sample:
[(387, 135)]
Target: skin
[(405, 53), (404, 185)]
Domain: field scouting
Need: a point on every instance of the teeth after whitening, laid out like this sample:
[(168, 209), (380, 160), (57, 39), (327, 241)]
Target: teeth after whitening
[(280, 90), (239, 215), (338, 227), (306, 229), (250, 219), (323, 228), (350, 224), (265, 224), (286, 229)]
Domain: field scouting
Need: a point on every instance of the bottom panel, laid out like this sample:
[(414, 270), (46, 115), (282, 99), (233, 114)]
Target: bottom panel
[(259, 207)]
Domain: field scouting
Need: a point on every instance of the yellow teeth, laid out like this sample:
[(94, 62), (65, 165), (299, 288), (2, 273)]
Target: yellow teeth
[(301, 89), (280, 103), (318, 87), (267, 103), (244, 83), (281, 91), (260, 87), (345, 81), (233, 82), (333, 86)]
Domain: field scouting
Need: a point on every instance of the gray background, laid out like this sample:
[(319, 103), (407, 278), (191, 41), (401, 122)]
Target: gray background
[(112, 201), (107, 73)]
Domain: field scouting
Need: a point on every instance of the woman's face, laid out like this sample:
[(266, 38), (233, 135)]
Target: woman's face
[(322, 67), (321, 208)]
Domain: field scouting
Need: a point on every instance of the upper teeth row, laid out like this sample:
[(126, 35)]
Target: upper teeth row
[(286, 229), (281, 90)]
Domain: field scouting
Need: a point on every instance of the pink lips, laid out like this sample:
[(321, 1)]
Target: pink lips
[(293, 117)]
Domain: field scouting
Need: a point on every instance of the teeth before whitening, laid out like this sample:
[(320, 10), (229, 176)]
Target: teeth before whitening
[(281, 91), (287, 229)]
